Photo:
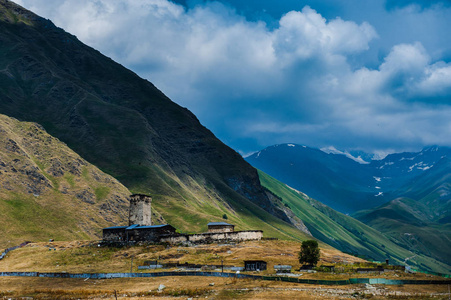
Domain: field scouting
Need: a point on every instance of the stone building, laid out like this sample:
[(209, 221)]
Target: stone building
[(137, 233), (220, 227), (140, 229), (140, 224)]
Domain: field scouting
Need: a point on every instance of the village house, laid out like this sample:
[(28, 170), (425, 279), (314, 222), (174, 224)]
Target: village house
[(140, 229), (220, 227)]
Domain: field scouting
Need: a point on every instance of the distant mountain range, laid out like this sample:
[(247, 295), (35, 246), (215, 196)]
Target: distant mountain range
[(404, 195), (343, 183)]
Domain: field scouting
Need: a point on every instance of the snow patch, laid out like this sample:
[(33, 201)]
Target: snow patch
[(377, 187), (379, 194), (407, 158), (378, 179), (387, 164), (420, 166), (291, 145), (333, 150)]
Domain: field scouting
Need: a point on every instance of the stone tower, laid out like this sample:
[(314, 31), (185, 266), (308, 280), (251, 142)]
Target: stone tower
[(140, 210)]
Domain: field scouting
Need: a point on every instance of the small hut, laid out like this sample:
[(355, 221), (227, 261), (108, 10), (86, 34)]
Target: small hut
[(220, 227), (254, 265), (282, 268)]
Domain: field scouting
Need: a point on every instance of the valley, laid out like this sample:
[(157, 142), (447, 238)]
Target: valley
[(404, 196), (80, 133)]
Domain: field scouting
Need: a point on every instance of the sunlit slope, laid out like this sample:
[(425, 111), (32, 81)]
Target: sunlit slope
[(345, 233), (49, 191)]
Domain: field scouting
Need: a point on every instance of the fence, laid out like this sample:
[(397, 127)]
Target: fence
[(226, 275), (3, 254)]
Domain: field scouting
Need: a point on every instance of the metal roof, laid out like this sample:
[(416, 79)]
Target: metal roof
[(219, 223), (137, 226), (132, 226), (154, 226), (282, 267), (116, 227)]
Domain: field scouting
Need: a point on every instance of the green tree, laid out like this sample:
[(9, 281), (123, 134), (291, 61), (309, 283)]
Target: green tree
[(309, 252)]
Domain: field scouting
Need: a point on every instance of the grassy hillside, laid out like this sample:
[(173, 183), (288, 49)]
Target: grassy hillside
[(345, 233), (48, 191), (127, 127), (407, 222)]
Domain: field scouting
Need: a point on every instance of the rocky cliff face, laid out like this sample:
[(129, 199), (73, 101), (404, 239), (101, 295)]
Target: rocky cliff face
[(48, 191), (115, 119)]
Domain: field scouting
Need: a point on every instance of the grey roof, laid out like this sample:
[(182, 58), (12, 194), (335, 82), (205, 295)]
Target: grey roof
[(219, 223), (282, 267)]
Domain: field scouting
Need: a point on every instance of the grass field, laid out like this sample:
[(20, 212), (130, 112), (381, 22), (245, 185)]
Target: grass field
[(196, 288), (84, 256)]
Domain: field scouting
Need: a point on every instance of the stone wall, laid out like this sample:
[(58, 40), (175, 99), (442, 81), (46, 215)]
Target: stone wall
[(114, 234), (150, 234), (204, 238)]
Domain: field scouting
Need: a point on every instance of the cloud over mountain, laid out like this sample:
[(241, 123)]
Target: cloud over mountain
[(304, 79)]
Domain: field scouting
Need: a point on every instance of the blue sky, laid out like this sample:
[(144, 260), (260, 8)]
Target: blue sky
[(373, 75)]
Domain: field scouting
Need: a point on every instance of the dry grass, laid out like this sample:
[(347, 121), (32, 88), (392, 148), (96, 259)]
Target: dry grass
[(200, 287), (81, 256)]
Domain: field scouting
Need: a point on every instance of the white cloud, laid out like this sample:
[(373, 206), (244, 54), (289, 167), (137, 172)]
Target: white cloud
[(290, 83)]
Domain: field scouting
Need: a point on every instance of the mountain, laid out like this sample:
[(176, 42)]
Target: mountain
[(420, 219), (350, 235), (48, 191), (334, 179), (406, 196), (128, 128), (344, 184)]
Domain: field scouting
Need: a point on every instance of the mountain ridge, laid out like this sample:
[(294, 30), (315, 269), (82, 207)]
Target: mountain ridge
[(406, 196), (127, 127), (342, 178)]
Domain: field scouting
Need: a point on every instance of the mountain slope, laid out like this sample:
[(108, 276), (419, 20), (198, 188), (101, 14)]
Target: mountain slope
[(346, 233), (123, 124), (48, 191), (335, 180), (348, 186), (406, 196), (408, 222)]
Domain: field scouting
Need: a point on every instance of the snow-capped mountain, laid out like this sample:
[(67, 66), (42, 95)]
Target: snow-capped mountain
[(349, 181)]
